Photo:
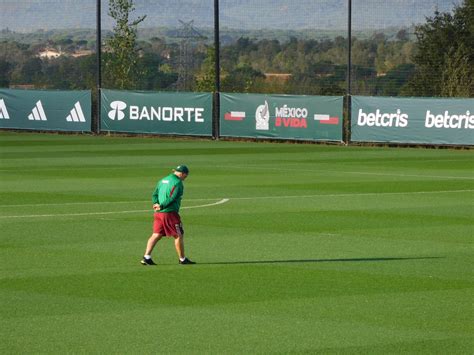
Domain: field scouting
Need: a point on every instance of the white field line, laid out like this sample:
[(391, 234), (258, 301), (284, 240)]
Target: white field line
[(345, 172), (245, 198), (411, 175), (94, 203), (224, 200), (356, 194), (321, 171), (342, 172)]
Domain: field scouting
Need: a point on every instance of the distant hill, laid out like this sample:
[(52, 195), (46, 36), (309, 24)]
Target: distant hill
[(31, 15), (227, 36)]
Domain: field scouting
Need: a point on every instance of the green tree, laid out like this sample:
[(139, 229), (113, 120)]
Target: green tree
[(154, 77), (391, 83), (402, 35), (5, 68), (121, 69), (458, 76), (445, 54), (206, 79), (32, 71), (242, 79)]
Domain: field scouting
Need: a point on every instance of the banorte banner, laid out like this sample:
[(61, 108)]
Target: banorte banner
[(412, 120), (315, 118), (173, 113), (45, 110)]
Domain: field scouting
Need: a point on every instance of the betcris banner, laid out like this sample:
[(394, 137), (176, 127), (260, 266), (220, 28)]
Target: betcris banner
[(281, 116), (174, 113), (46, 110), (412, 120)]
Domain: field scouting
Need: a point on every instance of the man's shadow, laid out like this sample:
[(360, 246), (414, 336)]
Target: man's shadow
[(320, 260)]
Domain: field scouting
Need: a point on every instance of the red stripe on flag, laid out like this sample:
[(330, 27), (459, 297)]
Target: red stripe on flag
[(331, 120), (228, 117)]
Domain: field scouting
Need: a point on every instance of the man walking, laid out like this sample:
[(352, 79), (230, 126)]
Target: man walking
[(167, 222)]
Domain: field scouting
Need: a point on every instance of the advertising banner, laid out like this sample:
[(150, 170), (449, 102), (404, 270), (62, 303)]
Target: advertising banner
[(174, 113), (45, 110), (412, 120), (281, 116)]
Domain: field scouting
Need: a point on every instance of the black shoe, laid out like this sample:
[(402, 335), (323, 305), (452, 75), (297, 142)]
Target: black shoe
[(186, 261), (147, 262)]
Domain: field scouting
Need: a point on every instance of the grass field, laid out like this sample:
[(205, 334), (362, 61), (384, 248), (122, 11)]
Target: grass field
[(319, 249)]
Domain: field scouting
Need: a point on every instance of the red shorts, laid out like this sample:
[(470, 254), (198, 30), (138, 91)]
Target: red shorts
[(168, 224)]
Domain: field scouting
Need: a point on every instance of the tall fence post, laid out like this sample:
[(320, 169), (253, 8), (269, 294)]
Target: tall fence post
[(99, 63), (216, 106), (347, 126)]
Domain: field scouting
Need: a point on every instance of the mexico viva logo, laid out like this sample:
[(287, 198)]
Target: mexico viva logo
[(119, 110), (293, 117)]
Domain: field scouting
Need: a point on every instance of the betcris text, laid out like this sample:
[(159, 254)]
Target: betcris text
[(382, 119), (447, 120)]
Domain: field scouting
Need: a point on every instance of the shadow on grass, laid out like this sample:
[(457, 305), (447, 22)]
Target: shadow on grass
[(321, 260)]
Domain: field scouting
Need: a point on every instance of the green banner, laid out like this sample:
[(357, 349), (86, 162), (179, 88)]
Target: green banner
[(45, 110), (412, 120), (160, 113), (281, 116)]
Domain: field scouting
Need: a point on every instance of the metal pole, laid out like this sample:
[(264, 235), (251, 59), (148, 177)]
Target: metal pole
[(217, 71), (349, 46), (349, 74), (99, 62)]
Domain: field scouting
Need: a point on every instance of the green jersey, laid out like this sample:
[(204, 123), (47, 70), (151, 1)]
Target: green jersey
[(168, 193)]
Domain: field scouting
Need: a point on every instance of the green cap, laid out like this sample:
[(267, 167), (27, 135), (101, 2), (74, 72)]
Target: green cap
[(182, 169)]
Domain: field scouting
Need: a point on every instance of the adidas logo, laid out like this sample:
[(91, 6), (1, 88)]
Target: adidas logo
[(76, 114), (38, 113), (3, 110)]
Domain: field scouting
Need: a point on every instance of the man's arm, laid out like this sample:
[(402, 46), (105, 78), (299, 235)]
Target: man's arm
[(176, 191), (154, 199)]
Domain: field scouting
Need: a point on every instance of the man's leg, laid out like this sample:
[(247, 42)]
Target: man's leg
[(154, 238), (179, 245), (147, 260)]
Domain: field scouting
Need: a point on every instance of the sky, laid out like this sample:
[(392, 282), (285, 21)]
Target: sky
[(31, 15)]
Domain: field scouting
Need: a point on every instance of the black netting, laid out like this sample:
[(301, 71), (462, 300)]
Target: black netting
[(384, 44), (47, 44), (266, 46), (293, 47)]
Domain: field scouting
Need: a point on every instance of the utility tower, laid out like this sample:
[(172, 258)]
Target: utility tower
[(189, 38)]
